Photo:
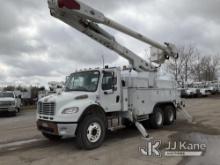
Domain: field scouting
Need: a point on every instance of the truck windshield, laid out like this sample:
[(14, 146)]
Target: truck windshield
[(83, 81), (6, 95)]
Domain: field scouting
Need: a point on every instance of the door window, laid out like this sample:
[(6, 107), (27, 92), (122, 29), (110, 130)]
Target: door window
[(108, 81)]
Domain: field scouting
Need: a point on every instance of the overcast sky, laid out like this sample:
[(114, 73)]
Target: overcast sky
[(37, 48)]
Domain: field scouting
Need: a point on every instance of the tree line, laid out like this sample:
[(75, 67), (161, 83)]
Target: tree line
[(194, 65)]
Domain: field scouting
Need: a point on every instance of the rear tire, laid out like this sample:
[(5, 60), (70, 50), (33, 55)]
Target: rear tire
[(51, 137), (91, 132), (157, 118), (169, 115)]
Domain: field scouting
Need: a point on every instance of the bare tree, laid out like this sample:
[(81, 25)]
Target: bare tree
[(189, 56), (181, 68), (196, 69), (194, 66), (209, 69), (205, 68), (215, 66)]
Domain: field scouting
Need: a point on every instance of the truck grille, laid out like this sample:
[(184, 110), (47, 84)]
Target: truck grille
[(6, 103), (46, 108), (3, 109)]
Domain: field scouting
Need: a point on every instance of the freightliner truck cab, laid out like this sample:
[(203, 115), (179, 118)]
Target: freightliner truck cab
[(92, 90)]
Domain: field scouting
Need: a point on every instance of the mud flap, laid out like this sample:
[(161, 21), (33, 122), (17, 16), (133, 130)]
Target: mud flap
[(186, 114)]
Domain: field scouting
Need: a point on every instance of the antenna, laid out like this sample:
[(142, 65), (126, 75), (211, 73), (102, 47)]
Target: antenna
[(103, 61)]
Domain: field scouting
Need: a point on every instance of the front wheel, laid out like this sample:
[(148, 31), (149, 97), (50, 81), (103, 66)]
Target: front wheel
[(91, 132)]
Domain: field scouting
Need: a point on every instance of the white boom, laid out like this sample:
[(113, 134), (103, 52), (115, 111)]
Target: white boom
[(86, 19)]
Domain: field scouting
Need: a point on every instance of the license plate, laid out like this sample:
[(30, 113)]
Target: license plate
[(44, 124)]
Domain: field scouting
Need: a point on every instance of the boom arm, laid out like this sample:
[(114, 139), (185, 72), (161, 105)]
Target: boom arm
[(86, 19)]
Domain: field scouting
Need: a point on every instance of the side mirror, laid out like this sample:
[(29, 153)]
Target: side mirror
[(67, 77), (66, 81), (114, 82)]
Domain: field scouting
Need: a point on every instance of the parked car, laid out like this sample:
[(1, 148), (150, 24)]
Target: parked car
[(10, 103), (191, 92), (203, 92)]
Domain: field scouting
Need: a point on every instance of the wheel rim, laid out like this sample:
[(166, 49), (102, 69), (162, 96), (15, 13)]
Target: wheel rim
[(159, 118), (94, 132)]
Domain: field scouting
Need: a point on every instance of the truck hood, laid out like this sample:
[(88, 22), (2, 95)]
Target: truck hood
[(65, 97), (7, 99)]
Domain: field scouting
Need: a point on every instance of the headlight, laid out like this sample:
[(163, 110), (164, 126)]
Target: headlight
[(70, 110)]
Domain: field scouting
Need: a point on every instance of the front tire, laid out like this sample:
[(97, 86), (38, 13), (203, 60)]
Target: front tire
[(91, 132), (157, 118)]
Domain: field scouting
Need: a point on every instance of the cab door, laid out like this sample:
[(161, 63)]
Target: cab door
[(110, 91)]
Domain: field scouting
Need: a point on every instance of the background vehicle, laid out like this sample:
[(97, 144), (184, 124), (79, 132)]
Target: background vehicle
[(9, 103), (53, 88), (191, 91), (202, 90), (110, 98), (212, 87)]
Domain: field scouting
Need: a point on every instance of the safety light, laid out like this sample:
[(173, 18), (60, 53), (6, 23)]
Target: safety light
[(69, 4)]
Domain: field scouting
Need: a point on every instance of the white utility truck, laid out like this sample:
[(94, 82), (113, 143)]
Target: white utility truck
[(53, 88), (9, 103), (212, 87), (96, 100), (202, 90)]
